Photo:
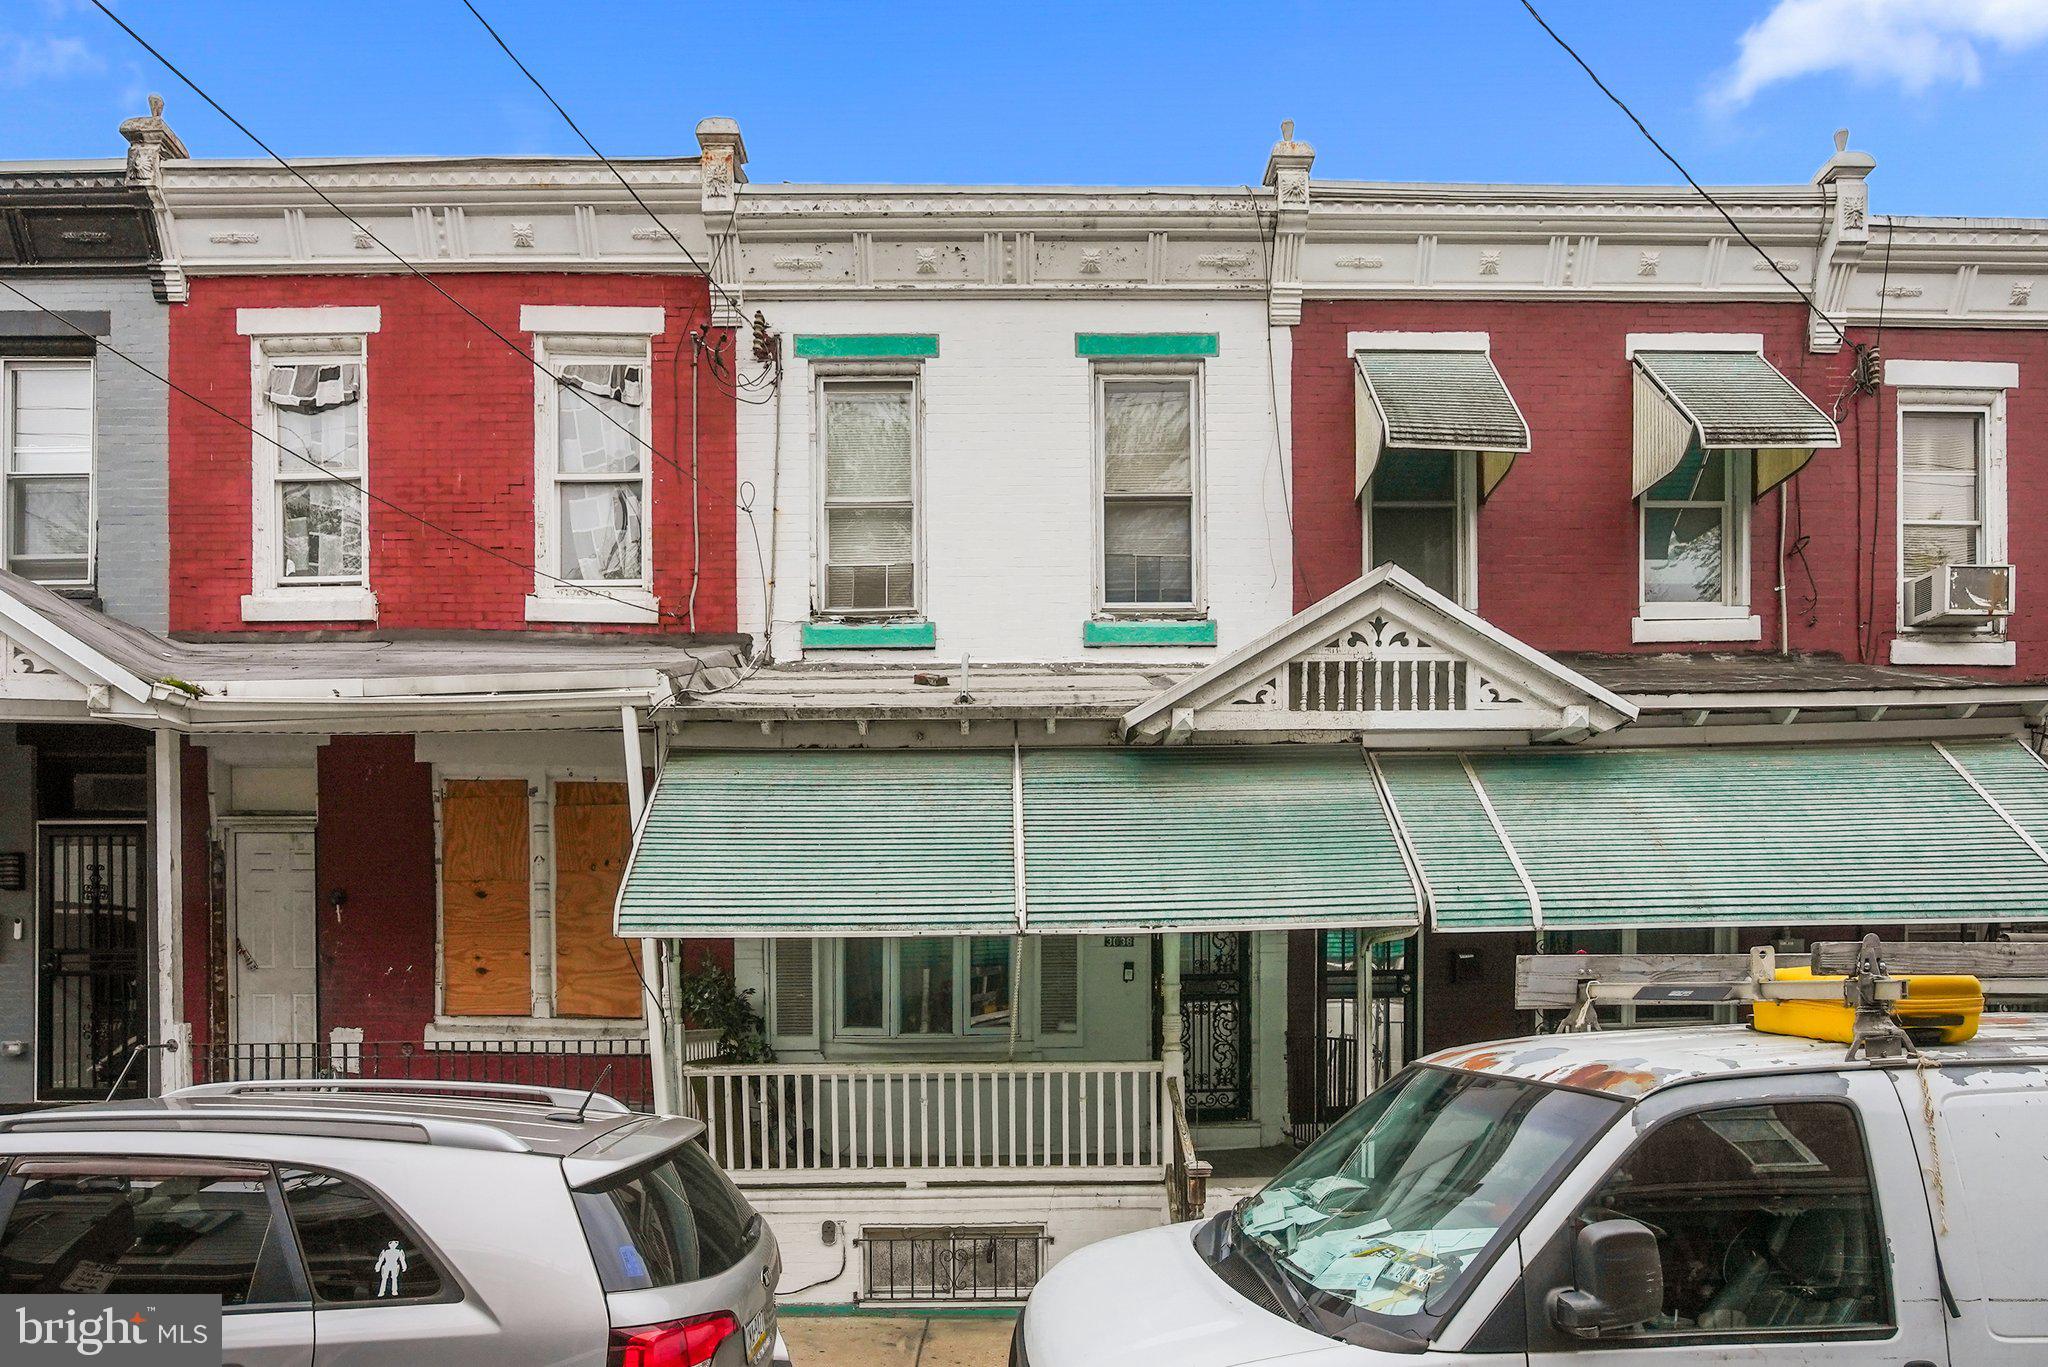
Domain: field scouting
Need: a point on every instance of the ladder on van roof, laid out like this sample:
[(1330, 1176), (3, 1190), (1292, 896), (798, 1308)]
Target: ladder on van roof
[(1868, 977)]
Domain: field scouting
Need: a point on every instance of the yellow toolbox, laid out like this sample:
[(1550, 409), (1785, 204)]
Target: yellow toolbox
[(1936, 1009)]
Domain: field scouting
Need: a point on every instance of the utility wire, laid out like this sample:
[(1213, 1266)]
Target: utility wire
[(102, 344), (389, 250), (1790, 283), (577, 128)]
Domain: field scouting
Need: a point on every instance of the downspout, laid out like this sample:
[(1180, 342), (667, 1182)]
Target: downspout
[(696, 487), (653, 953)]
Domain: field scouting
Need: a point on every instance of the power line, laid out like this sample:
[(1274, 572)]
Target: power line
[(102, 344), (389, 250), (548, 95), (1680, 168)]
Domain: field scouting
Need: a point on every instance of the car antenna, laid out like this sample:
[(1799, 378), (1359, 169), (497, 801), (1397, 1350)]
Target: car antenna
[(577, 1116), (168, 1046)]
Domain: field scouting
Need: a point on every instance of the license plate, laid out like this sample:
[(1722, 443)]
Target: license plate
[(758, 1338)]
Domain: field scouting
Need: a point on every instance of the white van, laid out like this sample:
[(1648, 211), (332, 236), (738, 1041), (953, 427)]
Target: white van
[(1703, 1194)]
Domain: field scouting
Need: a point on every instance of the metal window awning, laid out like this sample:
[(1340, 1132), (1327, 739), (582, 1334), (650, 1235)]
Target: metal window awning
[(1723, 400), (855, 842), (1452, 400), (825, 842), (1726, 835), (1249, 837)]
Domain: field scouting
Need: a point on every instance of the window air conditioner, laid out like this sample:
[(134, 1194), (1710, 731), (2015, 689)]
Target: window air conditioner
[(1959, 595)]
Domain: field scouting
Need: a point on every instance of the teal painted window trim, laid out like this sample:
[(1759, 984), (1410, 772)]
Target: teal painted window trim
[(871, 346), (1141, 344), (1139, 631), (870, 635)]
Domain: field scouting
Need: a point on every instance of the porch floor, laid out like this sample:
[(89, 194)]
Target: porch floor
[(1237, 1173)]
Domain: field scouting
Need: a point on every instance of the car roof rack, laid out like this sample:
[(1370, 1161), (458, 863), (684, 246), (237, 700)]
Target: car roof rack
[(580, 1100), (1867, 976), (335, 1123)]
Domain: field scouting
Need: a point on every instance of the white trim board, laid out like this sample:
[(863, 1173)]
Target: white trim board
[(592, 320), (1693, 341), (309, 322), (1355, 342), (1952, 374)]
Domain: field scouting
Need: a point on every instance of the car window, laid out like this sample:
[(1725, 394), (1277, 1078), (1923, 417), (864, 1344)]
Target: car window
[(356, 1252), (677, 1222), (144, 1232), (1765, 1221)]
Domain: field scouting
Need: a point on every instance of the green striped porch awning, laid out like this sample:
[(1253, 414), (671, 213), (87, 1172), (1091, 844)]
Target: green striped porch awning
[(1698, 835), (1198, 839), (825, 842)]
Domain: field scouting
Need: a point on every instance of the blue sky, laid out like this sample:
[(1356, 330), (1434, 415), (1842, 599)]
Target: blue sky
[(1947, 94)]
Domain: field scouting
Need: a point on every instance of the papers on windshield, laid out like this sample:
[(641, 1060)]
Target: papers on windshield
[(1388, 1272)]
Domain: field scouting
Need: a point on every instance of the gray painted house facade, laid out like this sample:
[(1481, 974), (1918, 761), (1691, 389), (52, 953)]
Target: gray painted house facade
[(84, 511)]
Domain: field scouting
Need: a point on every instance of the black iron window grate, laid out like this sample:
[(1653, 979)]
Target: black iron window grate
[(952, 1263)]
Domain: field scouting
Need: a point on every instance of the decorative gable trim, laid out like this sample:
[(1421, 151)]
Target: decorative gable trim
[(1384, 656)]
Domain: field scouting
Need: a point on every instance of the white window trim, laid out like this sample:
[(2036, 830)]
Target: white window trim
[(10, 366), (1952, 374), (1980, 645), (963, 1037), (592, 321), (1732, 618), (857, 373), (1102, 375), (312, 322), (1355, 342), (1466, 552), (543, 1023), (623, 600), (271, 597), (1636, 342)]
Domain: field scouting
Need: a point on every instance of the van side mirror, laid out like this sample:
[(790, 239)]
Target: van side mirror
[(1618, 1280)]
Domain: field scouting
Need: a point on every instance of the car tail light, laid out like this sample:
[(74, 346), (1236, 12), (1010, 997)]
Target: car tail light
[(673, 1343)]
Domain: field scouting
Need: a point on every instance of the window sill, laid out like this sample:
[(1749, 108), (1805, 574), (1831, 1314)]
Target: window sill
[(857, 635), (1949, 650), (1148, 631), (310, 605), (456, 1032), (631, 605), (1684, 630)]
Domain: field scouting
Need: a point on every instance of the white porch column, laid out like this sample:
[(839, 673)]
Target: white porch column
[(654, 989), (173, 1069), (1170, 1044), (1361, 1009)]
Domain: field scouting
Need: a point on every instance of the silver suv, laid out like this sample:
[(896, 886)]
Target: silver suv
[(373, 1223)]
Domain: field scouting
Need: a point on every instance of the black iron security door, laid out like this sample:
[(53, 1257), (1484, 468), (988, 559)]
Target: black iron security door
[(92, 891), (1216, 1024)]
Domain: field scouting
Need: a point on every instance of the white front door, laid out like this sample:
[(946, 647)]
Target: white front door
[(274, 970)]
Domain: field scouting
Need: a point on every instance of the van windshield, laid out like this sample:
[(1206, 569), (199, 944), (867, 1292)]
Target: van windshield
[(1403, 1199)]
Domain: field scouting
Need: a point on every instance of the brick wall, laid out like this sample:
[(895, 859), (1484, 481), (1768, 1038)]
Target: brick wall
[(451, 438), (1557, 541), (375, 846)]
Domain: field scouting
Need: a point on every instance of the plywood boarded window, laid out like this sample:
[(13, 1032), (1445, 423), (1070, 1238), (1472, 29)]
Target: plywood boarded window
[(595, 971), (486, 898)]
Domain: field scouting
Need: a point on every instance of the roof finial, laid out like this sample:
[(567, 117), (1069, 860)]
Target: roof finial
[(1287, 130), (1841, 139), (156, 106)]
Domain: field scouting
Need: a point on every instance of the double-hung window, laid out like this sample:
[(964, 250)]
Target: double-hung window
[(310, 379), (957, 986), (1694, 533), (594, 455), (1941, 488), (1423, 507), (869, 443), (1149, 440), (46, 433)]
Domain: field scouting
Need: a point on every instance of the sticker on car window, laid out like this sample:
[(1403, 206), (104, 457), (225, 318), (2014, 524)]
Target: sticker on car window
[(630, 1261), (390, 1266)]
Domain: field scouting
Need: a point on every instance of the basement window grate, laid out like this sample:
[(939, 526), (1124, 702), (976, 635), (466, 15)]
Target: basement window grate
[(952, 1262)]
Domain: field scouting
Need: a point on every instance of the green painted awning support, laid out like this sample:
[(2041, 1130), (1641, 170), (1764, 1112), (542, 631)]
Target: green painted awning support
[(918, 635), (1135, 345), (870, 346), (1142, 631)]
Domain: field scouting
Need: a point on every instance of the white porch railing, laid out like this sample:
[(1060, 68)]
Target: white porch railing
[(831, 1123)]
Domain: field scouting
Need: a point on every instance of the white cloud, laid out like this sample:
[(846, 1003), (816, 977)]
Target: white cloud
[(1918, 44), (27, 60)]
